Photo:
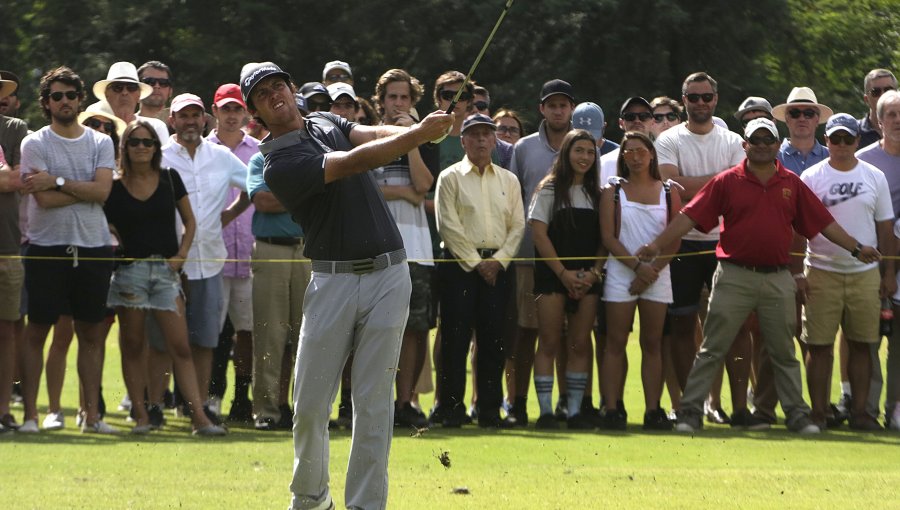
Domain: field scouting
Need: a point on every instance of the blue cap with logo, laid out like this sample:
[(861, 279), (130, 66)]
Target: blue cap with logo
[(843, 121), (589, 116)]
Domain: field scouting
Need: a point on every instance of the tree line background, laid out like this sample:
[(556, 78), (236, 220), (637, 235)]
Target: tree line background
[(607, 49)]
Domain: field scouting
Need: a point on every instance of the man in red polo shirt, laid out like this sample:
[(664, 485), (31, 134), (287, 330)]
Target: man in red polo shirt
[(762, 204)]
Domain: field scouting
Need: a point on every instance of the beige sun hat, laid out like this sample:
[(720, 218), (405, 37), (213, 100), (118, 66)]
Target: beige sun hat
[(102, 109), (7, 87), (123, 72), (802, 96)]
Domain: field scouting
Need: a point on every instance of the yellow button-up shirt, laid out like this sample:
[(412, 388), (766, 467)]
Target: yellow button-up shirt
[(479, 211)]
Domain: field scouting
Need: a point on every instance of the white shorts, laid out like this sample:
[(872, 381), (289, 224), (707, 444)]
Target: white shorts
[(238, 303), (619, 278)]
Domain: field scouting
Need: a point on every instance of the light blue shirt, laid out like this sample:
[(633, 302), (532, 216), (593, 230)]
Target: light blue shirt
[(795, 161)]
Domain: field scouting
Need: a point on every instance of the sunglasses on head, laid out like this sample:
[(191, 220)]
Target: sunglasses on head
[(95, 123), (877, 91), (448, 95), (632, 116), (760, 140), (841, 138), (120, 86), (481, 105), (808, 113), (162, 82), (71, 95), (670, 116), (707, 97), (146, 142)]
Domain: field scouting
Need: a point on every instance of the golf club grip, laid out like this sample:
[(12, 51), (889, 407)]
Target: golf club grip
[(451, 107)]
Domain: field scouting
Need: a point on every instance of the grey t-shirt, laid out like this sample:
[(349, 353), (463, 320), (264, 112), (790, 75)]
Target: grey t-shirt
[(77, 159), (532, 158), (890, 165)]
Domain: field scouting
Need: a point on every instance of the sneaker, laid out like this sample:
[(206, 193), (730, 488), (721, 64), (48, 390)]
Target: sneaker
[(210, 430), (520, 413), (838, 413), (656, 419), (843, 405), (29, 427), (157, 418), (408, 416), (99, 427), (615, 419), (689, 422), (54, 421), (212, 415), (286, 421), (265, 424), (8, 421), (746, 420), (141, 430), (717, 415), (562, 408), (579, 422), (547, 422), (125, 404), (79, 418), (241, 411), (805, 426), (214, 404)]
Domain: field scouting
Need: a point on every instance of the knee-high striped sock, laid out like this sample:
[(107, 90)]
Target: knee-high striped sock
[(575, 384), (543, 386)]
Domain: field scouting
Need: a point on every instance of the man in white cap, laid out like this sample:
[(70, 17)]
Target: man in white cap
[(842, 291), (122, 90), (761, 205), (208, 171), (876, 83), (337, 71), (802, 112), (343, 100)]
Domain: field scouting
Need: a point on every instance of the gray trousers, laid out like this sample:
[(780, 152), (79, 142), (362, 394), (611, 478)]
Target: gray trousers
[(344, 313), (736, 292)]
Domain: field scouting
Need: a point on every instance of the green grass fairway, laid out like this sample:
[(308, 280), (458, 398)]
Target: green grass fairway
[(518, 469)]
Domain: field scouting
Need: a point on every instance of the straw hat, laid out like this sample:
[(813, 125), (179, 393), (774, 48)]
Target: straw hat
[(102, 109), (802, 96), (122, 72)]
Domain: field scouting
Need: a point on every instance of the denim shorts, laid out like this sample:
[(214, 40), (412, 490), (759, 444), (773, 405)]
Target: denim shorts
[(148, 284)]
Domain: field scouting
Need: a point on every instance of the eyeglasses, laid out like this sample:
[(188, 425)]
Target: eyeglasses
[(95, 123), (162, 82), (762, 140), (808, 113), (638, 151), (841, 138), (448, 95), (71, 95), (631, 116), (146, 142), (707, 97), (317, 106), (119, 87), (670, 116), (338, 77), (481, 105), (513, 130), (877, 91)]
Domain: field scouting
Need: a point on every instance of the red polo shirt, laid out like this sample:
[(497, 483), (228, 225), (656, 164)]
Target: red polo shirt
[(759, 219)]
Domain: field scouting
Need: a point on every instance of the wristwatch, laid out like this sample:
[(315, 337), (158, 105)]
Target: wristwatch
[(855, 252), (60, 182)]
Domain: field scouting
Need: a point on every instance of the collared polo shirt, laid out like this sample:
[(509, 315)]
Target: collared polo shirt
[(267, 224), (207, 178), (795, 161), (759, 219), (476, 211)]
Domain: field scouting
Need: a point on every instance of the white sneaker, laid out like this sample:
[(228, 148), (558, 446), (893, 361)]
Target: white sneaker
[(100, 427), (29, 427), (214, 404), (812, 428), (79, 418), (54, 421), (895, 418), (125, 404), (684, 427)]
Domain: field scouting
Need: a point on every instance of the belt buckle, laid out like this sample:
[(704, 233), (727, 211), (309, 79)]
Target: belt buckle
[(363, 266)]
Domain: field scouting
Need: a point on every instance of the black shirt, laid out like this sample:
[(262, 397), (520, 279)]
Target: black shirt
[(347, 219), (146, 227)]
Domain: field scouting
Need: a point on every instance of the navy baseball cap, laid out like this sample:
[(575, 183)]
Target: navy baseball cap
[(843, 121), (476, 119), (255, 72)]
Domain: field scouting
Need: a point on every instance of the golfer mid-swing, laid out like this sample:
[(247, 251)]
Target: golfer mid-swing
[(358, 297)]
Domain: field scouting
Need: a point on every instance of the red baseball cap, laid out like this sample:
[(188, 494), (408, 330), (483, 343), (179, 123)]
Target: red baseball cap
[(227, 93)]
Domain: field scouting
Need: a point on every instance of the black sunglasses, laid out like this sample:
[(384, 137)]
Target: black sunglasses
[(671, 117), (707, 97), (162, 82), (119, 87), (146, 142), (758, 140), (841, 138), (877, 91), (481, 105), (808, 113), (318, 106), (71, 95), (95, 123), (338, 77), (448, 95), (631, 116)]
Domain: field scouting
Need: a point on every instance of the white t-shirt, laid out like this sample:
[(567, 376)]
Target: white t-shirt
[(541, 208), (699, 155), (411, 219), (609, 166), (857, 199)]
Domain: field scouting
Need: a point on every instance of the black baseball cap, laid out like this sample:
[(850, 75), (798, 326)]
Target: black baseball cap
[(311, 88), (254, 72), (557, 86), (631, 100)]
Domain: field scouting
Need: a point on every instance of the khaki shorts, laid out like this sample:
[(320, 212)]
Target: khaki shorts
[(12, 277), (526, 305), (850, 301)]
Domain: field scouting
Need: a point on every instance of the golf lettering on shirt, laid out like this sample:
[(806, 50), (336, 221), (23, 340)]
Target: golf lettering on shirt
[(841, 192)]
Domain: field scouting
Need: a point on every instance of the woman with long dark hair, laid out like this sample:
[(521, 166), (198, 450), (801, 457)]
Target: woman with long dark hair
[(565, 224), (141, 211), (632, 213)]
